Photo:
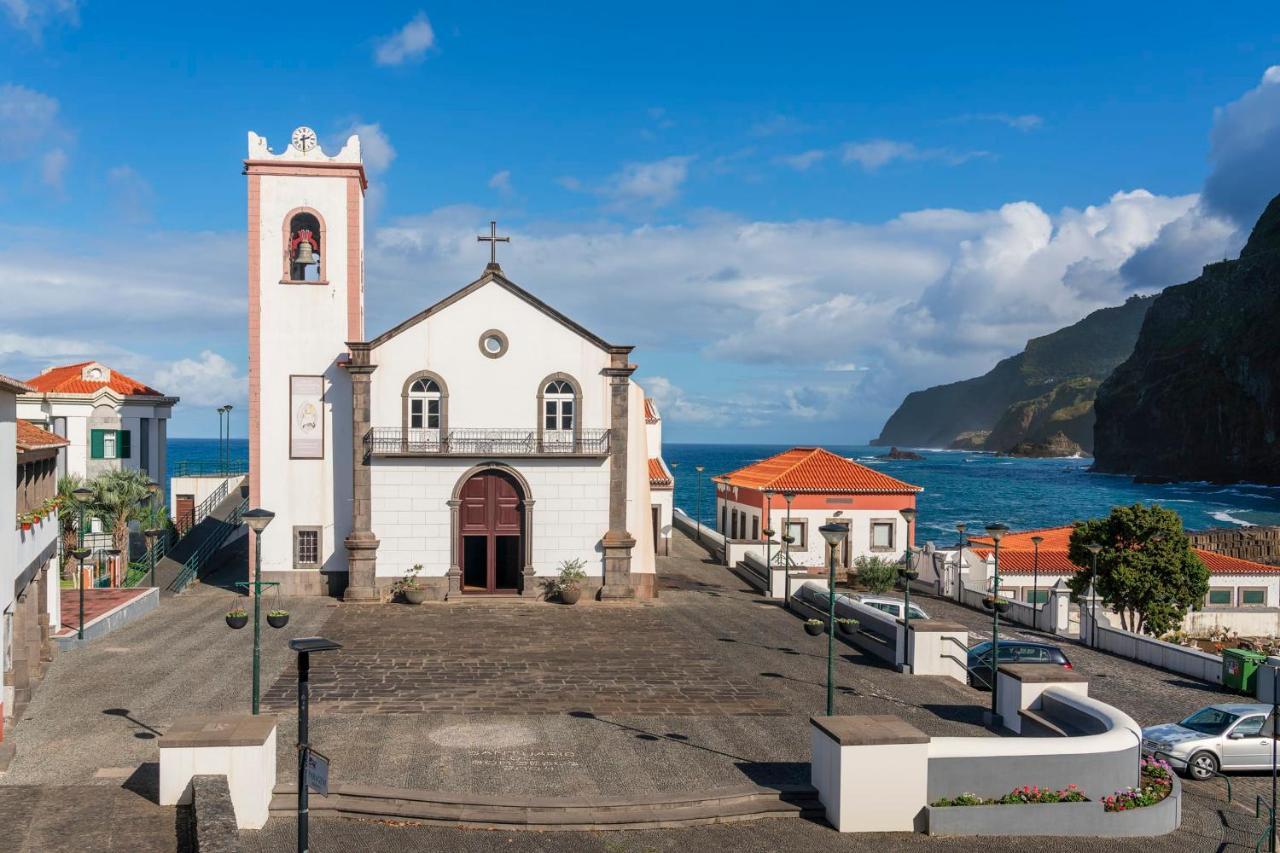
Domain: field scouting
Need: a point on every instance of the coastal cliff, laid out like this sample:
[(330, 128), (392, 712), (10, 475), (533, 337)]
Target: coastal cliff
[(1027, 399), (1199, 398)]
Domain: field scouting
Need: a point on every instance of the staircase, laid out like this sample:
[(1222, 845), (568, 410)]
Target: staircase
[(654, 811), (186, 560)]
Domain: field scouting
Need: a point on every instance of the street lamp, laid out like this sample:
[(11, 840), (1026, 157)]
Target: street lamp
[(787, 538), (960, 528), (152, 536), (113, 554), (908, 573), (1035, 582), (697, 481), (257, 519), (304, 646), (996, 532), (1093, 549), (226, 467), (80, 553), (835, 535), (768, 546)]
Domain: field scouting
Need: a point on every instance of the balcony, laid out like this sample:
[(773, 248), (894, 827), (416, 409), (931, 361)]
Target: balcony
[(394, 441)]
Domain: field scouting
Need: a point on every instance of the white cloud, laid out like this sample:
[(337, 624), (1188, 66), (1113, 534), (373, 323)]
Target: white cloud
[(53, 167), (376, 149), (805, 160), (778, 125), (132, 195), (32, 16), (501, 181), (409, 44), (655, 183), (28, 121), (208, 380), (1023, 122), (875, 154)]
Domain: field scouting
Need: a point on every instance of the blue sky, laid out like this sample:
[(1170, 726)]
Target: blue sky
[(797, 215)]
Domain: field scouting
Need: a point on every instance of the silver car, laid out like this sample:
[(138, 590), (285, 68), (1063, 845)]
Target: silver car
[(1221, 737)]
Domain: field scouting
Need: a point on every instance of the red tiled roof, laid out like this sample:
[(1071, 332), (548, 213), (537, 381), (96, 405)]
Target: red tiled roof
[(32, 437), (69, 379), (659, 477), (814, 470), (651, 411), (1017, 555), (14, 386)]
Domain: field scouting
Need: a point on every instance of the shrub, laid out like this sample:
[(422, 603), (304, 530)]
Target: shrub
[(1157, 782), (876, 573), (962, 800), (1026, 795), (409, 581), (572, 574)]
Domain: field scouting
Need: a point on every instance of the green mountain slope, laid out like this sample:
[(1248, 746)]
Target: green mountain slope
[(1199, 398), (1045, 389)]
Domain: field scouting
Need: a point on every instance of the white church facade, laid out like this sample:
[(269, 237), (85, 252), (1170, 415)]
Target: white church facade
[(488, 439)]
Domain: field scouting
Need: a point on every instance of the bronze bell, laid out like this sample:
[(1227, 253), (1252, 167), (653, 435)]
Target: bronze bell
[(305, 255)]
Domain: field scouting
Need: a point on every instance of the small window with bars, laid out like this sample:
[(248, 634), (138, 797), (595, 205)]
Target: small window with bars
[(306, 547)]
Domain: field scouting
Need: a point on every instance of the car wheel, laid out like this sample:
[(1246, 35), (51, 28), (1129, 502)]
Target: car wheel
[(1202, 765)]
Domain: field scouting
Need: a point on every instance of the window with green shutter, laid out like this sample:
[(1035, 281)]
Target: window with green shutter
[(1220, 597), (123, 444), (96, 441)]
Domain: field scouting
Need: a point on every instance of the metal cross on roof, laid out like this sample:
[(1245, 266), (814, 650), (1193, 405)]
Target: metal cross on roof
[(493, 240)]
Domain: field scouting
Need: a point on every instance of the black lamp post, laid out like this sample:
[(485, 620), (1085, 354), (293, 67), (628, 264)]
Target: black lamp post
[(996, 532), (226, 466), (787, 538), (257, 519), (113, 554), (960, 528), (1093, 596), (305, 646), (82, 495), (835, 535), (697, 481), (152, 536), (908, 572), (768, 546), (1035, 582), (222, 441)]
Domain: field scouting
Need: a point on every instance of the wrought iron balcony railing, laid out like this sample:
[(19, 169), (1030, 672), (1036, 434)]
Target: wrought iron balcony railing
[(394, 441)]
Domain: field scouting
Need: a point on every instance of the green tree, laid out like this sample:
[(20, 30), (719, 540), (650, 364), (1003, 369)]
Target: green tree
[(69, 519), (118, 498), (1147, 570), (876, 573)]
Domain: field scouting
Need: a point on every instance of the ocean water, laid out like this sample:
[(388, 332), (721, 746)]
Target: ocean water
[(979, 488), (976, 488)]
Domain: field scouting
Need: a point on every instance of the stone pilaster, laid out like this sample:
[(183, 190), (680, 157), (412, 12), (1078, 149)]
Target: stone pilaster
[(617, 542), (455, 568), (362, 545), (529, 576)]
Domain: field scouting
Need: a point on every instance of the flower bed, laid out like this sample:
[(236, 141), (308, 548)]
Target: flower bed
[(1156, 783), (1026, 795)]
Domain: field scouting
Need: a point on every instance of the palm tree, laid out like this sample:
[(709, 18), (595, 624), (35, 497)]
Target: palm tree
[(118, 498), (69, 516)]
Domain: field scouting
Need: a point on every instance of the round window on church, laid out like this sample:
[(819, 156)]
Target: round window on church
[(493, 343)]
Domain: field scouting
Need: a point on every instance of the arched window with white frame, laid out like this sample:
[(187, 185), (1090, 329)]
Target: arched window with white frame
[(426, 401)]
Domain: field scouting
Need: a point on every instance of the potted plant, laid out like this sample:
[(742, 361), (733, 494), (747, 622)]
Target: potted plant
[(813, 627), (237, 618), (408, 586), (278, 618), (847, 627), (26, 521), (569, 582), (999, 603)]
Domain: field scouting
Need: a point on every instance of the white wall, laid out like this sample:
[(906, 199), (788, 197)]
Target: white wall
[(639, 500), (9, 536), (304, 331), (491, 393), (411, 512), (814, 552), (44, 409)]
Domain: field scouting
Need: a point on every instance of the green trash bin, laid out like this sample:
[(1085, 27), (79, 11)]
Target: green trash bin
[(1240, 670)]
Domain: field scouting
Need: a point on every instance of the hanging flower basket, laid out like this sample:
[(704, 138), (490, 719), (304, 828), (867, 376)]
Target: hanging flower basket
[(237, 619), (908, 574), (847, 627), (1000, 604), (278, 618), (814, 627)]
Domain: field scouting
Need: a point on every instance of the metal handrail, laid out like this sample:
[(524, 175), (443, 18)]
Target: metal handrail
[(191, 568), (201, 512), (485, 442), (210, 468)]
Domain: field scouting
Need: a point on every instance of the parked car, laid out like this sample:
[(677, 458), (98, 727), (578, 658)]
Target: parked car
[(892, 606), (1011, 651), (1232, 736)]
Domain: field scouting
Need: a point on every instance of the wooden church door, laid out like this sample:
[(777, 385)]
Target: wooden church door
[(491, 528)]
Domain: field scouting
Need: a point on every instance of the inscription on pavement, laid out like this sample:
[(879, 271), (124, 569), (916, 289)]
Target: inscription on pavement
[(526, 758)]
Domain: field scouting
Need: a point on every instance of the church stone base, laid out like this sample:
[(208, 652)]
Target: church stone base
[(309, 582)]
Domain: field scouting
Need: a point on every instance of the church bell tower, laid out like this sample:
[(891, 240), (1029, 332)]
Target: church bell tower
[(306, 301)]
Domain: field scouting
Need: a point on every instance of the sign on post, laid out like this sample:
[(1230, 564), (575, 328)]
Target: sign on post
[(317, 772)]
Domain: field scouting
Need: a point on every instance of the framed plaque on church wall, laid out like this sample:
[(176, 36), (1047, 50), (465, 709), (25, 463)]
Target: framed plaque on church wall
[(306, 417)]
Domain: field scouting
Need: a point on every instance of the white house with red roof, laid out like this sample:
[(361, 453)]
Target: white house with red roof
[(1238, 589), (109, 420), (29, 589), (661, 481), (800, 490)]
